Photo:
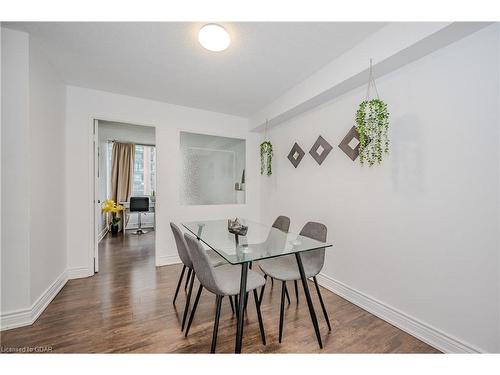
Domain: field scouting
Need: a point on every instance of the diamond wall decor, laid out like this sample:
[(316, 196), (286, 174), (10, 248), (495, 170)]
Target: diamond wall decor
[(320, 150), (350, 144), (296, 154)]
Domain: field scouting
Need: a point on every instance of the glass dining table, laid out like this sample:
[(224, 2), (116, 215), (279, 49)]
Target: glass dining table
[(260, 242)]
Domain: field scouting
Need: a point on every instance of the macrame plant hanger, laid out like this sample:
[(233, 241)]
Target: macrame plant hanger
[(371, 80)]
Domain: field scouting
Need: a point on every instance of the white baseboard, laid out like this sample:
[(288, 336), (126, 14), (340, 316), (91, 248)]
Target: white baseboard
[(79, 272), (26, 317), (101, 235), (428, 334), (166, 260)]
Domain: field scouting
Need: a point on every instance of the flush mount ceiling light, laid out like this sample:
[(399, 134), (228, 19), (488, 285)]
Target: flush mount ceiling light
[(214, 37)]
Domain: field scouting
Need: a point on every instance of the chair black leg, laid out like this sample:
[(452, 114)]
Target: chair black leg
[(179, 283), (262, 289), (322, 304), (216, 323), (310, 305), (193, 311), (286, 293), (282, 309), (231, 302), (272, 282), (296, 291), (188, 300), (259, 315), (187, 280)]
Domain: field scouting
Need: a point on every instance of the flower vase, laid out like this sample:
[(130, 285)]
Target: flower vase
[(114, 229)]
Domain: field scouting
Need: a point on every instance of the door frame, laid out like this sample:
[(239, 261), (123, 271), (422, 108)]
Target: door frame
[(95, 168), (94, 188)]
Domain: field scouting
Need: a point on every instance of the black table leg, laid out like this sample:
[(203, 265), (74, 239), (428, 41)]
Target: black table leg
[(241, 308), (308, 299)]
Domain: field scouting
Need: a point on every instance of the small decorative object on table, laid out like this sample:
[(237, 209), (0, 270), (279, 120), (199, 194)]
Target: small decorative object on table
[(109, 205), (235, 227)]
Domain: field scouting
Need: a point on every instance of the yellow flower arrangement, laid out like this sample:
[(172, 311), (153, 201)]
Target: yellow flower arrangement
[(110, 206)]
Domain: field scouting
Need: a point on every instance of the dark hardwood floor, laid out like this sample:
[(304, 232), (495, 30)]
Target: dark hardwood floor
[(127, 307)]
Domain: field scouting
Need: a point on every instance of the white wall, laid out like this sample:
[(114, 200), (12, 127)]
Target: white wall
[(33, 180), (122, 132), (169, 120), (47, 165), (418, 233), (15, 172)]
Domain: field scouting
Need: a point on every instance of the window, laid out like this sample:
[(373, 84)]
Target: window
[(144, 182)]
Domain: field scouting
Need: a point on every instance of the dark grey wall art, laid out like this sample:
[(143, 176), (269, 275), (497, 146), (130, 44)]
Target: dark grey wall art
[(296, 154), (320, 150), (350, 144)]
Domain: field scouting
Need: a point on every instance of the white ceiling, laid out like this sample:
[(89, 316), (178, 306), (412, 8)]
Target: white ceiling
[(164, 61)]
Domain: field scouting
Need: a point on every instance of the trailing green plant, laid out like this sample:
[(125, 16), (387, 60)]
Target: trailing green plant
[(266, 158), (372, 124)]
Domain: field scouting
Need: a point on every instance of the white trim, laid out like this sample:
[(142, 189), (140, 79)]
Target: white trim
[(26, 317), (166, 260), (102, 234), (423, 331), (79, 272)]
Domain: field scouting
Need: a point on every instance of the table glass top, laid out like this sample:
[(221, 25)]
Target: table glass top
[(260, 242)]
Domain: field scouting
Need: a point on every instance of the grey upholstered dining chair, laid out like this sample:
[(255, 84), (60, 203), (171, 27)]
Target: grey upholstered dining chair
[(214, 258), (221, 281), (282, 223), (285, 268)]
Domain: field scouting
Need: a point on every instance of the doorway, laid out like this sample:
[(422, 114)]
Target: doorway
[(124, 185)]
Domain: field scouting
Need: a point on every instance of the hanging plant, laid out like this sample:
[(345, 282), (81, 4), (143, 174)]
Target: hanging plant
[(266, 154), (372, 124), (266, 158)]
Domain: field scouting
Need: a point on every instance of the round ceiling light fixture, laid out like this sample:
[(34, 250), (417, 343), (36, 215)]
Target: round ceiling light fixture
[(214, 37)]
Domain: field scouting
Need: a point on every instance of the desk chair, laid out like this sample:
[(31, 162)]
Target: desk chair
[(139, 205)]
